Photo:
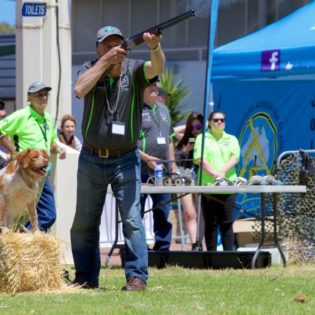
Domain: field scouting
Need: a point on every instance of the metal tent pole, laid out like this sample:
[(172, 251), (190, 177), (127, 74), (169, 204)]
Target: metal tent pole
[(207, 99)]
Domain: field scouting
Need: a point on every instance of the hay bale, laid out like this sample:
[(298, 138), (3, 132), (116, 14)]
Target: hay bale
[(29, 262)]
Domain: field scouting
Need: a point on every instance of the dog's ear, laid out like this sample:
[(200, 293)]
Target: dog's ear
[(23, 158)]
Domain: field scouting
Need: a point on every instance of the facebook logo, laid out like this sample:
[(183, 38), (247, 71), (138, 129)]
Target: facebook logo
[(270, 60)]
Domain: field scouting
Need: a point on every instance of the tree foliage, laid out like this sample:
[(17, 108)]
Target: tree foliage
[(176, 93), (6, 28)]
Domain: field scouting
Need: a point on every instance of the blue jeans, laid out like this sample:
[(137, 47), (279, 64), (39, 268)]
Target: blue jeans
[(46, 208), (94, 175), (161, 226)]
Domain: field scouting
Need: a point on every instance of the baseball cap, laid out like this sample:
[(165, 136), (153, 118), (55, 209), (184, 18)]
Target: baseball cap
[(37, 86), (107, 31)]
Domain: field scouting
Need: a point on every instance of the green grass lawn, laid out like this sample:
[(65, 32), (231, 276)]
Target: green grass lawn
[(177, 290)]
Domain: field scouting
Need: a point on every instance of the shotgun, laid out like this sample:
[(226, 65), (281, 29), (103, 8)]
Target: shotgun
[(137, 39)]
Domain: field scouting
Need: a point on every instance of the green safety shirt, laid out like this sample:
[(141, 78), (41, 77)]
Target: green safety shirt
[(28, 129), (217, 153)]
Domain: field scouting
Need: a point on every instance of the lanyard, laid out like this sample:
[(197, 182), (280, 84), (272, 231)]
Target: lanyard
[(156, 117), (43, 130), (112, 110)]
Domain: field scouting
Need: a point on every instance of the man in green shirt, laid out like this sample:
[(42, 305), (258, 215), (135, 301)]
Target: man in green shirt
[(31, 127)]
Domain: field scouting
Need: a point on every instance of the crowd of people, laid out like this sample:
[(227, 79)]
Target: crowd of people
[(126, 129)]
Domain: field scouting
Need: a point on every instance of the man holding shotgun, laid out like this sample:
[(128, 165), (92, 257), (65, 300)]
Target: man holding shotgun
[(112, 87)]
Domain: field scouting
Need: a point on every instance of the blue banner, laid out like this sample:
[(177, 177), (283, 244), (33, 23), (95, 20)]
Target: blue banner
[(264, 83), (268, 118)]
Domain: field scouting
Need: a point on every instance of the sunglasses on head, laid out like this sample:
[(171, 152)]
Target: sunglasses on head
[(218, 119), (196, 127)]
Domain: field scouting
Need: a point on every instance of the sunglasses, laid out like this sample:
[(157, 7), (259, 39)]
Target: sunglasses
[(218, 119), (41, 94), (196, 127)]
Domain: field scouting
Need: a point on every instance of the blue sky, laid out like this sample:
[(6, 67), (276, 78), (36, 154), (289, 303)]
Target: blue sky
[(7, 11)]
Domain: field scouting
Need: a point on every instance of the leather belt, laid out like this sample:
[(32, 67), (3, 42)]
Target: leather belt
[(106, 153)]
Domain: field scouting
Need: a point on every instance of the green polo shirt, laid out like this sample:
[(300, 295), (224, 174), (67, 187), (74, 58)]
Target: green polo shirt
[(27, 129), (217, 153)]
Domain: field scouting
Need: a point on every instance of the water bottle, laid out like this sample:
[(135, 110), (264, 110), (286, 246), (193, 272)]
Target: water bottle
[(158, 174)]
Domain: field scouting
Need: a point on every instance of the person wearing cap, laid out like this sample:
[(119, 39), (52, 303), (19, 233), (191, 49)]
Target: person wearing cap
[(31, 127), (112, 87), (155, 145)]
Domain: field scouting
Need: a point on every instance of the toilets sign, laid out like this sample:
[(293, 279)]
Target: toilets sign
[(34, 9)]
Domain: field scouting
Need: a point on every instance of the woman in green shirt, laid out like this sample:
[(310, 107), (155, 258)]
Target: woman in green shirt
[(221, 154)]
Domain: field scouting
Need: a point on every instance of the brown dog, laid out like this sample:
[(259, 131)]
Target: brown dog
[(19, 183)]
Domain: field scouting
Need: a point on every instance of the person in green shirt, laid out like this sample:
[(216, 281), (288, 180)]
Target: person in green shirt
[(31, 127), (221, 154)]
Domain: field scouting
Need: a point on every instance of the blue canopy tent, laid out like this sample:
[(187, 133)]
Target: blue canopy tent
[(265, 83)]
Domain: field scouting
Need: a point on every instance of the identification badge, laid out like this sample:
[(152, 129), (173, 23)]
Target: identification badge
[(118, 128), (161, 140)]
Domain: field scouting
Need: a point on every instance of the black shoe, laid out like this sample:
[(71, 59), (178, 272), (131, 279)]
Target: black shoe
[(134, 284)]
